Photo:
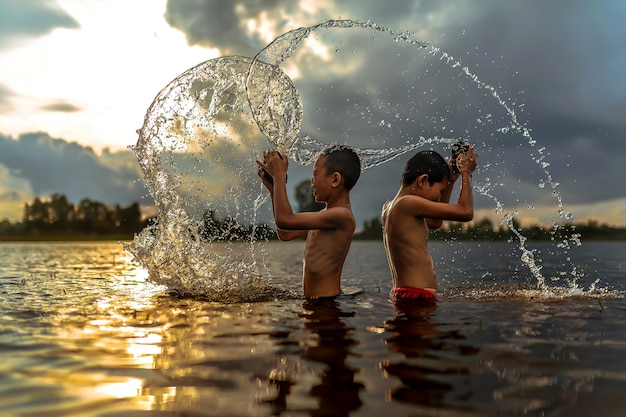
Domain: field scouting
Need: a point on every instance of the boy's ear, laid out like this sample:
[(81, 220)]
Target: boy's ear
[(337, 179), (422, 180)]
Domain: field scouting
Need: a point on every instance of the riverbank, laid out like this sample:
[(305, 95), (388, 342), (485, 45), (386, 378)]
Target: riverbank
[(66, 238)]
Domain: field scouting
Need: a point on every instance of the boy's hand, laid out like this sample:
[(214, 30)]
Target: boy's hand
[(264, 179), (467, 161), (274, 164), (454, 172)]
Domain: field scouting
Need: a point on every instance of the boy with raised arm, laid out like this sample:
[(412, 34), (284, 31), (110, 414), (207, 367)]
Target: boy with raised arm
[(329, 231), (422, 203)]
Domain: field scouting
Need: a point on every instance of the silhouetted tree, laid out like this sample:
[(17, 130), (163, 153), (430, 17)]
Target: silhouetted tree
[(213, 229), (306, 200), (372, 230), (210, 225), (128, 219), (37, 216), (94, 217), (59, 216), (61, 212)]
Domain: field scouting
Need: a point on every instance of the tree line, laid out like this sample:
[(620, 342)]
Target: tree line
[(56, 216), (485, 230)]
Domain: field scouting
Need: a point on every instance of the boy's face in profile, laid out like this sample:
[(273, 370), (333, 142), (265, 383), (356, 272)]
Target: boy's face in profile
[(435, 191), (321, 180)]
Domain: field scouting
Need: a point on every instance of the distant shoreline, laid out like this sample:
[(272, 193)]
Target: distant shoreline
[(65, 238), (127, 238)]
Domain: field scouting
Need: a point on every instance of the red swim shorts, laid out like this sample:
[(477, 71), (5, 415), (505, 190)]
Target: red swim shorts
[(408, 293)]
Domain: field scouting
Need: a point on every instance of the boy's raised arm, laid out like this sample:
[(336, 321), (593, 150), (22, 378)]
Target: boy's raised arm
[(282, 234), (435, 211), (283, 212), (276, 165), (445, 198), (467, 164), (284, 217)]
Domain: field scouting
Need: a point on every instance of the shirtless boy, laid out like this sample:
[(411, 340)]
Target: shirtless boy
[(422, 203), (328, 232)]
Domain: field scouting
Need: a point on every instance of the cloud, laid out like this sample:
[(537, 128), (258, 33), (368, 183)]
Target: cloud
[(5, 98), (14, 192), (557, 65), (23, 20), (61, 107), (215, 24), (244, 27), (35, 164)]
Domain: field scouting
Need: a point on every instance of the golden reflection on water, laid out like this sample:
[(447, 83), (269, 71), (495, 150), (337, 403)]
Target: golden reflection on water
[(106, 341), (120, 389), (106, 331)]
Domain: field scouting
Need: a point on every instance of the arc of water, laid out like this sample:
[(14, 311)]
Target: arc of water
[(285, 45)]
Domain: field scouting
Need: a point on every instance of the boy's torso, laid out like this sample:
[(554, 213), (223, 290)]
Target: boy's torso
[(406, 242), (324, 255)]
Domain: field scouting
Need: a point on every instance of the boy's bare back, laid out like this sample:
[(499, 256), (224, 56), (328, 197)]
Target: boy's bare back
[(406, 243), (422, 203)]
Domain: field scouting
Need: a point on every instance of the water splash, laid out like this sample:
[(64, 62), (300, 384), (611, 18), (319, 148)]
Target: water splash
[(285, 46), (305, 149), (196, 148), (532, 293), (204, 130)]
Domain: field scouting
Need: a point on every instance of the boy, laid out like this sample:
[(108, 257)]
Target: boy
[(422, 203), (328, 232)]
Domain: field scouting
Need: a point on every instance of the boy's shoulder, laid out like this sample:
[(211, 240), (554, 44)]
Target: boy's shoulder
[(404, 204), (342, 211), (341, 215)]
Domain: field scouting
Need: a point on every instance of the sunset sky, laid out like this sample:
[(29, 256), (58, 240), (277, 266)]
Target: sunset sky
[(77, 76)]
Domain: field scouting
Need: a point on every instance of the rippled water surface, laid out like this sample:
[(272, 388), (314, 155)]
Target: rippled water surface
[(83, 332)]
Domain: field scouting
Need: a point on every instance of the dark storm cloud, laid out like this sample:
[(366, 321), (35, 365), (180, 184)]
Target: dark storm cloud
[(61, 107), (564, 61), (21, 20), (221, 24), (559, 64), (56, 166)]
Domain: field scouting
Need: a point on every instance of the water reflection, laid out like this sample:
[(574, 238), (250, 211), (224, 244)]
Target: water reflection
[(81, 337), (433, 372), (335, 390)]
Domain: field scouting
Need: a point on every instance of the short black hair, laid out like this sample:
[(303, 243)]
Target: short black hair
[(344, 160), (425, 162)]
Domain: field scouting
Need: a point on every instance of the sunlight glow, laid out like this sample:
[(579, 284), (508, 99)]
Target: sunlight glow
[(121, 69), (263, 27), (130, 388)]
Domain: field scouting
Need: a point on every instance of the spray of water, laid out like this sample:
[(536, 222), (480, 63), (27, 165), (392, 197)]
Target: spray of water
[(286, 45), (196, 142), (204, 130)]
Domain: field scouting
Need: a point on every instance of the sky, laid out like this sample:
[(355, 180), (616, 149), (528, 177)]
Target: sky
[(77, 77)]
